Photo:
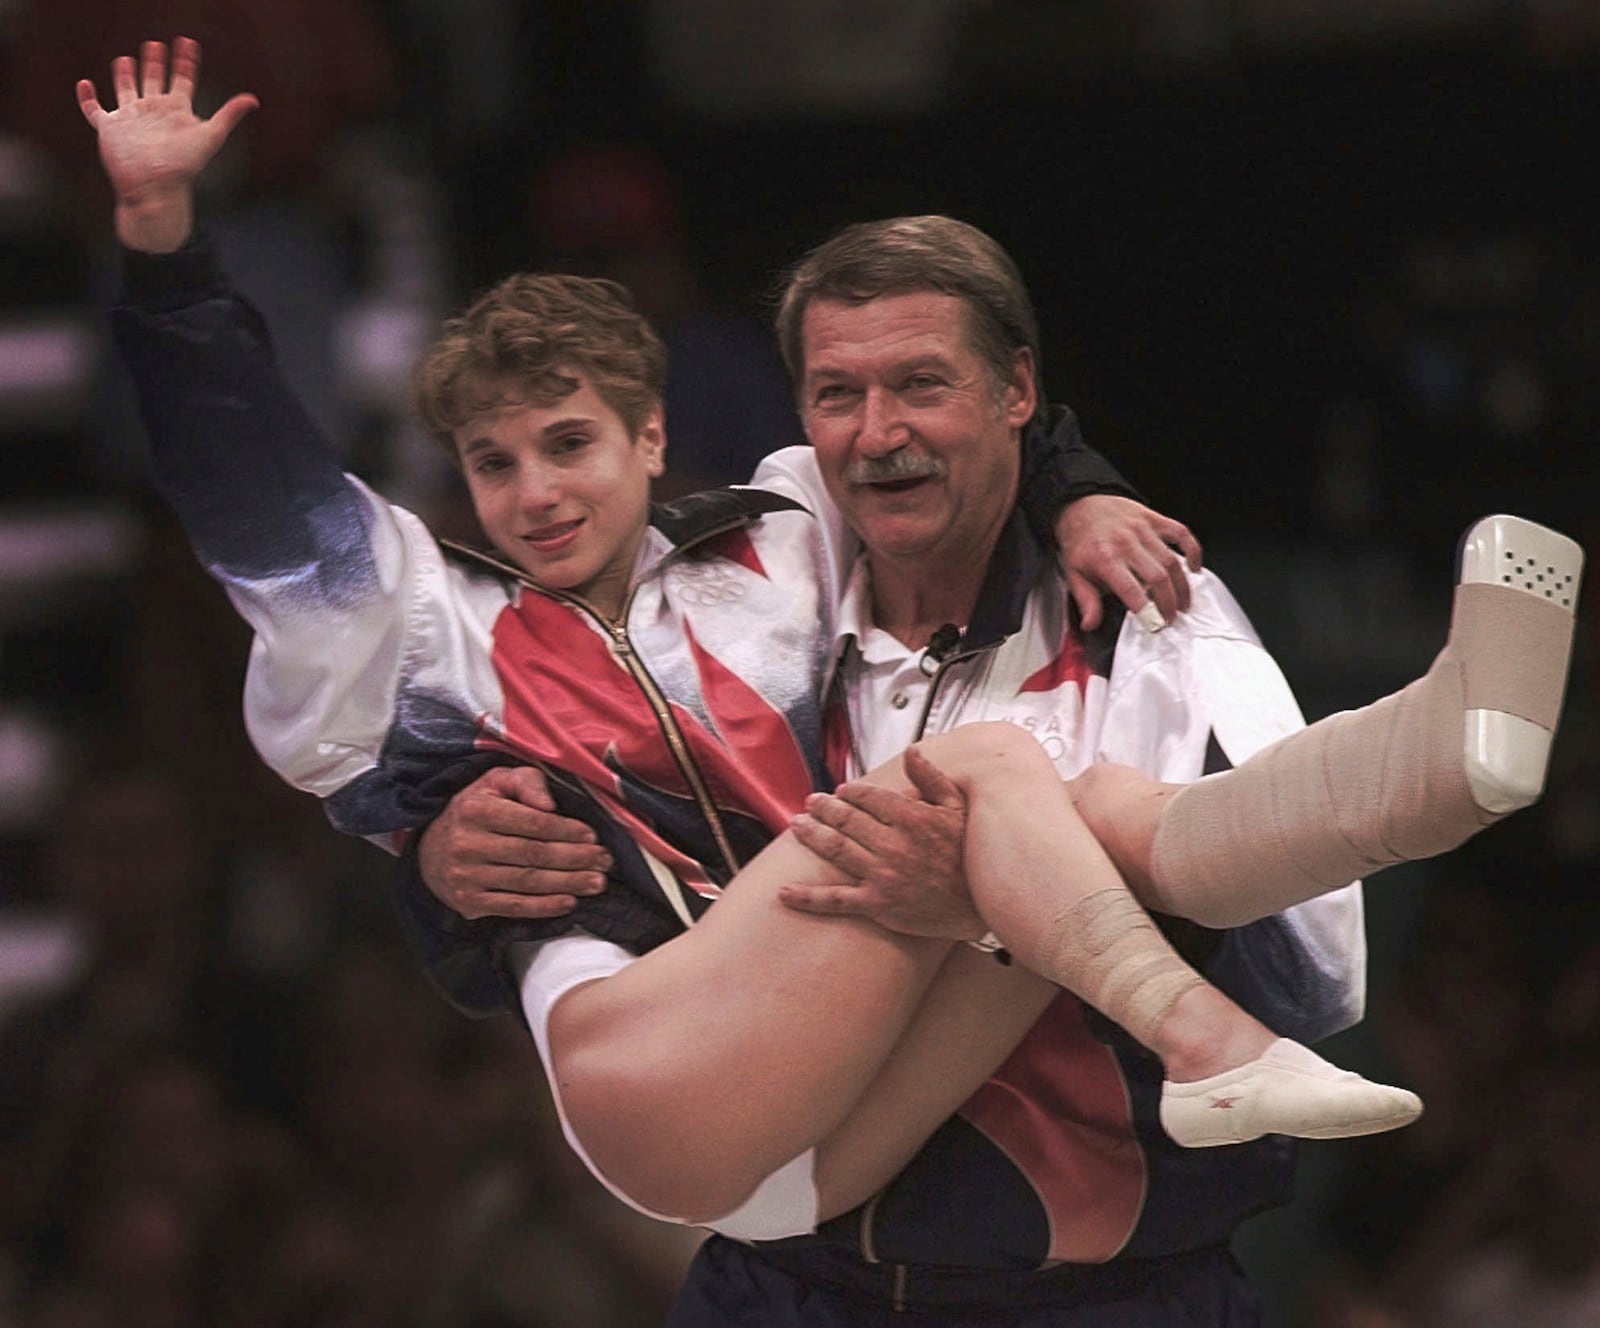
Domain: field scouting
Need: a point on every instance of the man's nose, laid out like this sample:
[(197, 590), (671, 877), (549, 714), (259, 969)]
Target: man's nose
[(883, 429)]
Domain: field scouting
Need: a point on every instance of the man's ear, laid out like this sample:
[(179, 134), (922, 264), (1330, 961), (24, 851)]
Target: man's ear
[(652, 436), (1021, 396)]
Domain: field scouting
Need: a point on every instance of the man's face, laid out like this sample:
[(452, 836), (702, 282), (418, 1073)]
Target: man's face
[(915, 439), (562, 490)]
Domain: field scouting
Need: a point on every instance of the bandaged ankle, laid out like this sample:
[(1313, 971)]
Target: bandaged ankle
[(1108, 953), (1412, 776)]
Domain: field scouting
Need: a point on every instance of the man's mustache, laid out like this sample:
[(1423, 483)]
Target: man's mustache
[(901, 465)]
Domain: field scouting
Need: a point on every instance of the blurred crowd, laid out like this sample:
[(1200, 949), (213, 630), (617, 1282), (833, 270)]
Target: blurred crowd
[(1487, 1211), (225, 1094), (226, 1097)]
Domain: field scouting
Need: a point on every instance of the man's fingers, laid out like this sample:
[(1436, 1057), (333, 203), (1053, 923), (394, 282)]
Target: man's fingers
[(841, 851), (1161, 589), (838, 811), (509, 879), (521, 783), (829, 900), (481, 891), (1182, 596), (477, 843), (930, 782), (1159, 570), (1182, 538), (1086, 595), (1164, 566), (1178, 579), (503, 818), (548, 855), (876, 803), (515, 800), (1126, 586)]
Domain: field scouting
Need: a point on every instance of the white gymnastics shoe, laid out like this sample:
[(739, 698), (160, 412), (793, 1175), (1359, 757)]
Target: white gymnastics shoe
[(1288, 1089)]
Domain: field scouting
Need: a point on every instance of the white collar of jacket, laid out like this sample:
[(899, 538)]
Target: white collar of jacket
[(683, 522), (1015, 568)]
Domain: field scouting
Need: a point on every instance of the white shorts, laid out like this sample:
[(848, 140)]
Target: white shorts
[(784, 1204)]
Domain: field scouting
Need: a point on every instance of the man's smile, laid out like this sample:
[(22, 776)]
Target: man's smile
[(897, 486)]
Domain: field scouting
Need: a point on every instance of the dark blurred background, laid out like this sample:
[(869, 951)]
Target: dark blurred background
[(1318, 274)]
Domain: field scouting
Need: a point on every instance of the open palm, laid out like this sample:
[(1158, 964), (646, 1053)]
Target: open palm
[(154, 140)]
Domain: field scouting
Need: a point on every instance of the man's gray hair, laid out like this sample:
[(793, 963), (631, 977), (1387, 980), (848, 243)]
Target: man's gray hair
[(907, 254)]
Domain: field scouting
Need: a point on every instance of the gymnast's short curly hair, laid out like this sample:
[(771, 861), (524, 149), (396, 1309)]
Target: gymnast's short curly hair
[(520, 341)]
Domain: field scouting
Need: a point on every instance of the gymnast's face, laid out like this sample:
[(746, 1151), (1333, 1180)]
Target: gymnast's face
[(562, 488)]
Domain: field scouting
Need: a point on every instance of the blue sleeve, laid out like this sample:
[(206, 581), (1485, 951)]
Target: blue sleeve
[(257, 486), (340, 587)]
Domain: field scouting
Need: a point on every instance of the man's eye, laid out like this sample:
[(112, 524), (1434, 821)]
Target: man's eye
[(489, 465), (569, 443), (830, 394), (923, 382)]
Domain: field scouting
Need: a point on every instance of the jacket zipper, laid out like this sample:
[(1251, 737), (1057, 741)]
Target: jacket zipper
[(622, 650)]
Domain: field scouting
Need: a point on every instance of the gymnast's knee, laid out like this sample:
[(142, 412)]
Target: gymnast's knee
[(987, 749)]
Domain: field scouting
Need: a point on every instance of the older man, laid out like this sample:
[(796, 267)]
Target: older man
[(913, 348), (1052, 1196)]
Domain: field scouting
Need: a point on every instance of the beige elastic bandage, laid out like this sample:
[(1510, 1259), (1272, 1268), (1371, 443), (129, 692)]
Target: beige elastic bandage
[(1106, 951), (1363, 789), (1518, 646)]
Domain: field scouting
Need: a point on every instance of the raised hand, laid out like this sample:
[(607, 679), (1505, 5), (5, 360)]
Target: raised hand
[(153, 145)]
